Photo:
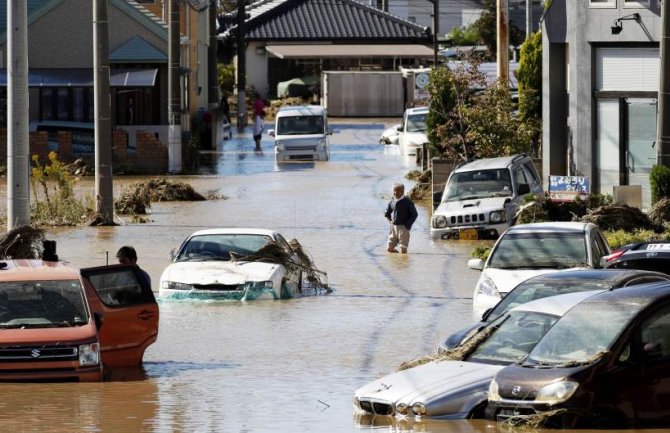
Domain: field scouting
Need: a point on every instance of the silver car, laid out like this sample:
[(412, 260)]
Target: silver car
[(458, 389)]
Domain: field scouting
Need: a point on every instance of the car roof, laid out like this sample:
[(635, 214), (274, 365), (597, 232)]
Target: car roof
[(236, 231), (642, 295), (488, 163), (301, 110), (556, 305), (611, 277), (557, 226), (37, 270), (417, 110)]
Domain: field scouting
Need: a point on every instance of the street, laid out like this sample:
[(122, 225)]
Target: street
[(272, 366)]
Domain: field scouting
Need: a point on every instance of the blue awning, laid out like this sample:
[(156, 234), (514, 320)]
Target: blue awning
[(84, 77)]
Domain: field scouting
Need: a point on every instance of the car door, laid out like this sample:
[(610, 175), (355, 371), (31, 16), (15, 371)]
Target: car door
[(129, 313)]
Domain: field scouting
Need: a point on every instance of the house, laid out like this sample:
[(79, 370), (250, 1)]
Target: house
[(601, 73), (289, 39)]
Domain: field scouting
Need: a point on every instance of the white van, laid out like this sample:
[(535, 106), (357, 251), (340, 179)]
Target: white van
[(302, 133)]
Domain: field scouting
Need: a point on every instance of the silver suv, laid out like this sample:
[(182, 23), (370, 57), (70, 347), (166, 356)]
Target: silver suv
[(482, 197)]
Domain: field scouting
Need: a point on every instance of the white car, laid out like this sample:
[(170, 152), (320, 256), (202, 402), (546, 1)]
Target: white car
[(413, 130), (527, 250), (210, 264), (457, 389), (302, 133), (390, 135)]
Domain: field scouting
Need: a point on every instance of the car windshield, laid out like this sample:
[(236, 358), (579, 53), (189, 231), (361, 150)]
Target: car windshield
[(531, 290), (219, 246), (299, 125), (478, 184), (515, 335), (417, 122), (539, 250), (584, 332), (42, 304)]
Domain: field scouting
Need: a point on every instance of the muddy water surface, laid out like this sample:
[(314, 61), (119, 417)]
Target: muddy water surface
[(271, 366)]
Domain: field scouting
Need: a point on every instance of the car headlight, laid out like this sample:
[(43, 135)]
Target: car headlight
[(439, 221), (494, 395), (402, 409), (89, 354), (497, 216), (175, 285), (258, 285), (419, 408), (487, 287), (279, 145), (557, 392)]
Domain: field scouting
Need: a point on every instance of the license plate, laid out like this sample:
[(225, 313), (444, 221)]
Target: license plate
[(468, 235)]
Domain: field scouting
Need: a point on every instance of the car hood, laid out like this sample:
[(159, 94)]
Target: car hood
[(427, 381), (507, 279), (478, 205), (416, 138), (228, 273), (62, 335)]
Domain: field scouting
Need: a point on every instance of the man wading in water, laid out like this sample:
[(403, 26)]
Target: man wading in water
[(401, 214)]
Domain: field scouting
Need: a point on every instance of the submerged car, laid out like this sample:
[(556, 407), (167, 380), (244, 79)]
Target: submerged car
[(651, 255), (605, 364), (216, 264), (302, 133), (557, 283), (412, 132), (527, 250), (457, 389), (390, 135), (58, 323)]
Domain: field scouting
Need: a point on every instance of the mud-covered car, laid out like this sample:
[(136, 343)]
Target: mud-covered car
[(605, 364), (215, 264), (390, 135), (64, 324), (457, 389)]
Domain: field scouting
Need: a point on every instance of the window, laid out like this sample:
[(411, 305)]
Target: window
[(602, 3), (62, 105), (655, 333), (47, 104), (636, 3)]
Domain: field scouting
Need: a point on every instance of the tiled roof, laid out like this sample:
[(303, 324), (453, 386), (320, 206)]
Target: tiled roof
[(137, 50), (314, 20)]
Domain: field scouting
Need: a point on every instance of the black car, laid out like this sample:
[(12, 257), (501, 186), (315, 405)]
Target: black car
[(557, 283), (604, 364), (650, 256)]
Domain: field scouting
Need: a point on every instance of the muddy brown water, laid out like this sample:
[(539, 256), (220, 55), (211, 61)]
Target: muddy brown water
[(271, 366)]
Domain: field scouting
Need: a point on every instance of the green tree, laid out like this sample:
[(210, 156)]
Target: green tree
[(529, 77), (487, 26), (226, 77), (464, 36)]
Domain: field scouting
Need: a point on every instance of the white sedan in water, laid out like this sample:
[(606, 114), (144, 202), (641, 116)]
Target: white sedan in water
[(223, 264), (390, 135)]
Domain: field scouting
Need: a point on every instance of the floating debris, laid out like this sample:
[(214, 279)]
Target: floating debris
[(23, 242), (137, 197)]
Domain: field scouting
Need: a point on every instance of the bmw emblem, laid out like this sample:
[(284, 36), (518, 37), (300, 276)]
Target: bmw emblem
[(516, 390), (35, 353)]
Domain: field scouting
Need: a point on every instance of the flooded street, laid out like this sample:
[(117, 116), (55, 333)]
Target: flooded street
[(272, 366)]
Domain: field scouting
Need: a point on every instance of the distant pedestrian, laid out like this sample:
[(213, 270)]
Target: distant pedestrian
[(401, 214), (259, 116), (128, 256)]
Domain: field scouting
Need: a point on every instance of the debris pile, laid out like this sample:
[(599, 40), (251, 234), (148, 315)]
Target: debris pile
[(660, 212), (137, 197), (618, 216), (23, 242), (422, 190)]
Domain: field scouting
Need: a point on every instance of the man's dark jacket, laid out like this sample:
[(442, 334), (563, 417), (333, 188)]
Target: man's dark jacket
[(401, 212)]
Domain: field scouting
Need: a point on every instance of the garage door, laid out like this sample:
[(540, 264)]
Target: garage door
[(627, 69)]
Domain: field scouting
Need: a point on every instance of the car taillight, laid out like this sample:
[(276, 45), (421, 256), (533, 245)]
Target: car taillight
[(614, 255)]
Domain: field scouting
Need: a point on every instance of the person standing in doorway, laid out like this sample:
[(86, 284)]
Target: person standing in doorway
[(128, 256), (259, 115), (401, 214)]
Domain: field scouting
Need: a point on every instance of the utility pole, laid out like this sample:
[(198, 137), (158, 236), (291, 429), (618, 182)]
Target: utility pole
[(663, 122), (503, 40), (529, 18), (241, 67), (213, 94), (104, 193), (174, 90), (18, 153), (436, 28)]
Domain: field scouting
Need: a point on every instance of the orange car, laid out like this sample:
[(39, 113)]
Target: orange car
[(60, 323)]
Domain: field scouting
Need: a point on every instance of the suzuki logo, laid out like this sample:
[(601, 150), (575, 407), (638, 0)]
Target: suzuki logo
[(516, 390), (35, 353)]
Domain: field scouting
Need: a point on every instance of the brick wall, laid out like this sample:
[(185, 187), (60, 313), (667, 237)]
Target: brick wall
[(150, 156)]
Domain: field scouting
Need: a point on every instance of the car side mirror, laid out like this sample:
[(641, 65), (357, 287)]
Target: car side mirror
[(652, 350), (97, 318), (477, 264), (173, 253), (524, 189), (486, 313), (603, 262), (399, 128), (271, 132)]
